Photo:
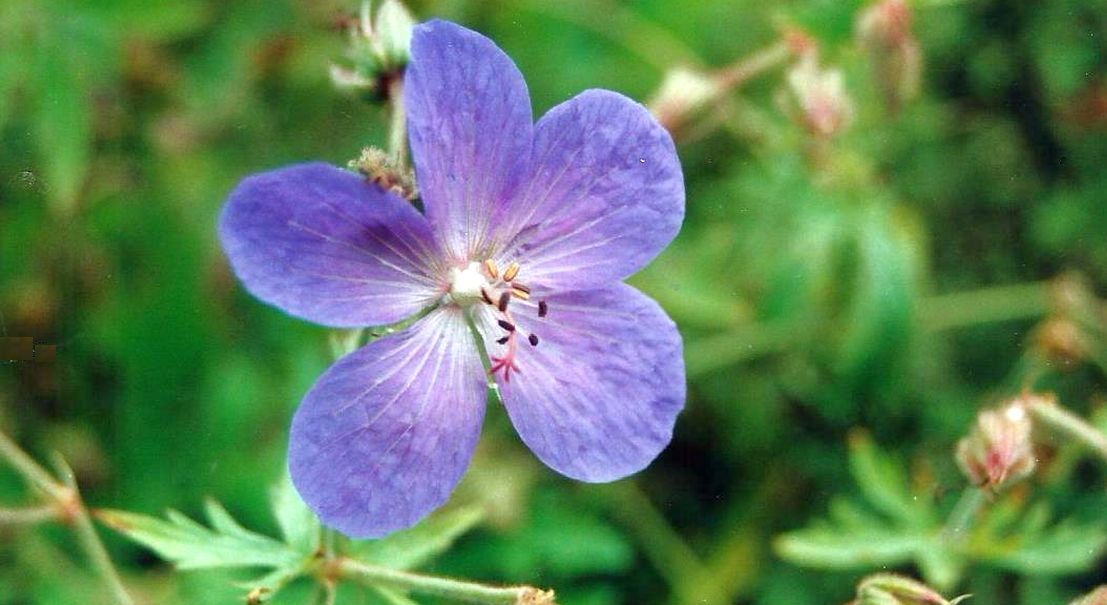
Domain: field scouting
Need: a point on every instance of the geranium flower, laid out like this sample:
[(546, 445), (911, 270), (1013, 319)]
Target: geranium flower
[(528, 231)]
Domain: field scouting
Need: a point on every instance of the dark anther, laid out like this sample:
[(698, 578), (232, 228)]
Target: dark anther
[(485, 296), (504, 298), (507, 325), (533, 339), (521, 288), (543, 308), (502, 340)]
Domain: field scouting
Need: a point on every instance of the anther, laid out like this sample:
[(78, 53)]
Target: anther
[(511, 271), (502, 304), (503, 340), (507, 325), (533, 340), (485, 296), (490, 267), (520, 294), (543, 308)]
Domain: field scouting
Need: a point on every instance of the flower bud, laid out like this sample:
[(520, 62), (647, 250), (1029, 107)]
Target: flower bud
[(891, 589), (884, 32), (999, 449), (1096, 597), (379, 167), (825, 107), (380, 47), (1060, 340), (682, 94)]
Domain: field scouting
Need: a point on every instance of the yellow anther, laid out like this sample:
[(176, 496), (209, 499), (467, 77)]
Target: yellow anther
[(490, 267), (511, 271), (520, 294)]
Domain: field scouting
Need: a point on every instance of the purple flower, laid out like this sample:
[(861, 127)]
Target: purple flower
[(528, 230)]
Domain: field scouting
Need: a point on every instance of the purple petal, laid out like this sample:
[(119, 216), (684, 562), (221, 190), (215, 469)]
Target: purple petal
[(607, 194), (597, 398), (386, 433), (322, 244), (470, 124)]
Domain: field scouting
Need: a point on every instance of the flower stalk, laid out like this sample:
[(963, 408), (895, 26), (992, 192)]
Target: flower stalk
[(67, 506), (1047, 412), (457, 590)]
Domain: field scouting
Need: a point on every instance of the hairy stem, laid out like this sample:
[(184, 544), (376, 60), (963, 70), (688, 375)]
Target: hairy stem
[(457, 590), (397, 126), (69, 507), (29, 515), (1071, 425)]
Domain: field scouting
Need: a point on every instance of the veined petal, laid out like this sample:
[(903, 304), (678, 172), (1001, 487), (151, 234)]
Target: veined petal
[(320, 243), (386, 433), (606, 195), (597, 398), (470, 125)]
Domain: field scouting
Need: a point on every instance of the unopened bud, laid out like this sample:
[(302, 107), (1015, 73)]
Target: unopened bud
[(379, 167), (1061, 341), (891, 589), (825, 107), (682, 94), (884, 32), (999, 450), (1096, 597), (380, 47)]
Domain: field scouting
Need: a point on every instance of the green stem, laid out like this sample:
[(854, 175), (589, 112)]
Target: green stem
[(690, 579), (89, 539), (1067, 423), (456, 590), (397, 127), (964, 512), (985, 305), (29, 469), (28, 516), (67, 502)]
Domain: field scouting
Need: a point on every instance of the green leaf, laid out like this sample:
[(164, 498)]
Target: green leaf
[(414, 547), (884, 483), (189, 545), (826, 548), (299, 526), (1063, 549)]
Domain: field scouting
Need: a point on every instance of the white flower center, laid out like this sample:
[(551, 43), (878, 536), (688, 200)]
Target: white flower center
[(466, 284)]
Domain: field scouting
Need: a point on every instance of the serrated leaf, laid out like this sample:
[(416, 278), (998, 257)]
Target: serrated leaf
[(1064, 549), (414, 547), (828, 549), (299, 526), (883, 482), (189, 545)]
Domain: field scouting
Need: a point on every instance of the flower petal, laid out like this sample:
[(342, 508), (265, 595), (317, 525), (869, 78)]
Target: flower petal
[(386, 433), (470, 125), (320, 243), (606, 196), (597, 398)]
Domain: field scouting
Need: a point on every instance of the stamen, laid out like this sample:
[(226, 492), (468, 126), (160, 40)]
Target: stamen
[(503, 340), (533, 340), (485, 296), (507, 325), (521, 287), (490, 267), (520, 294), (511, 271), (502, 304), (543, 308)]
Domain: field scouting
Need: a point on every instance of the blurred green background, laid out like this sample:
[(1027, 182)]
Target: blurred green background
[(871, 289)]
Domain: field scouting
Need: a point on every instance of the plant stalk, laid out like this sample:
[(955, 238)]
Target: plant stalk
[(1071, 425), (457, 590)]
